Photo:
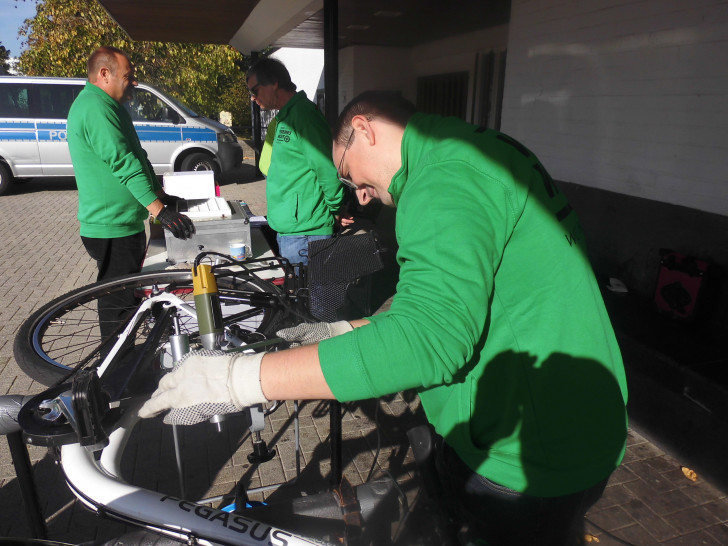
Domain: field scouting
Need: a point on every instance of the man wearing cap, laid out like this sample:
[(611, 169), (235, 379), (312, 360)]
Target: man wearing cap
[(303, 194)]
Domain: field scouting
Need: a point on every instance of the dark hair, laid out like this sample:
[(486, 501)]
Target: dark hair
[(269, 71), (389, 105), (103, 56)]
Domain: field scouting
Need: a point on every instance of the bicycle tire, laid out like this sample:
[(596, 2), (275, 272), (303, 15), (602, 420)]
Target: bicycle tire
[(64, 332)]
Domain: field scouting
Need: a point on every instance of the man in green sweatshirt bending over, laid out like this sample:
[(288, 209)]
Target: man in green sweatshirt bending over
[(498, 322), (117, 187)]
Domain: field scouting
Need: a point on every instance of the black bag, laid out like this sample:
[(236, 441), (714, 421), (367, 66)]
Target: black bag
[(339, 275)]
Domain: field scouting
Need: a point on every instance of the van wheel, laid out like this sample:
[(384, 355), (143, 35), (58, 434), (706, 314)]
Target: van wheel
[(201, 162), (6, 178)]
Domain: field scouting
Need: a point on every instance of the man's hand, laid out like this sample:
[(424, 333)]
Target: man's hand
[(206, 383), (313, 332), (179, 224), (344, 220)]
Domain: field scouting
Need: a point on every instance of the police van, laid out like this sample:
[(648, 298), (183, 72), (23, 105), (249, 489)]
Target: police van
[(33, 143)]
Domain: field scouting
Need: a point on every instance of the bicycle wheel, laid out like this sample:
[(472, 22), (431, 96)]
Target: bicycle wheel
[(64, 334)]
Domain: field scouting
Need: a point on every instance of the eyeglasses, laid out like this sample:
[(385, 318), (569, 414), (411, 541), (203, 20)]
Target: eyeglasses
[(345, 181), (254, 90)]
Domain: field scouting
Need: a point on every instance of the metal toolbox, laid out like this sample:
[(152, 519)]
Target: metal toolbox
[(211, 236)]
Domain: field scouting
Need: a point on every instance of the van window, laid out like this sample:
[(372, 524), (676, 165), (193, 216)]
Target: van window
[(54, 101), (146, 106), (14, 101), (185, 109)]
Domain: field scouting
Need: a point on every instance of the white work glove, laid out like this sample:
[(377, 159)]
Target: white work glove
[(206, 383), (313, 332)]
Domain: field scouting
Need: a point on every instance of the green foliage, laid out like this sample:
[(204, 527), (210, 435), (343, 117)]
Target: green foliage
[(207, 78)]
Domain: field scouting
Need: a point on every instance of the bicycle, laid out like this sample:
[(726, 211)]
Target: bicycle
[(97, 385)]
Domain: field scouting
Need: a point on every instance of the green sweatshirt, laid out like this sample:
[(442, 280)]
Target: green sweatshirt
[(497, 321), (303, 192), (115, 180)]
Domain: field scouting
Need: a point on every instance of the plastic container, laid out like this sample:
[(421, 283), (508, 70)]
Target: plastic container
[(211, 236)]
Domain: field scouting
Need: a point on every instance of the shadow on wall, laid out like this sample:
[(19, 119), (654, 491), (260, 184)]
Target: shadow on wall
[(625, 235)]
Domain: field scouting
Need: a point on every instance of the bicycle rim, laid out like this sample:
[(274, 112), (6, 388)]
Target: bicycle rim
[(65, 332)]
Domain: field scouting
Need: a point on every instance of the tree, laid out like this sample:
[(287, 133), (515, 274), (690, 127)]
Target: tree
[(4, 60), (207, 78)]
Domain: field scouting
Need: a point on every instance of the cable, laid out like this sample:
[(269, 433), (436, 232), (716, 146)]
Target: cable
[(280, 297)]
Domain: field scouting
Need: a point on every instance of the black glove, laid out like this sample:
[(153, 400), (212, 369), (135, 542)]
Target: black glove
[(179, 224), (170, 200)]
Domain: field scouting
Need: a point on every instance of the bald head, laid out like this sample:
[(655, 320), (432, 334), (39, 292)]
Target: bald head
[(109, 69), (105, 56)]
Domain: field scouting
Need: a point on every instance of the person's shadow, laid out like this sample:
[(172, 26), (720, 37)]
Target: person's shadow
[(563, 422)]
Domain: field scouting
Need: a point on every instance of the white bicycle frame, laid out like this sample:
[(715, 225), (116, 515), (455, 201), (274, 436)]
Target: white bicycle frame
[(97, 482), (171, 299)]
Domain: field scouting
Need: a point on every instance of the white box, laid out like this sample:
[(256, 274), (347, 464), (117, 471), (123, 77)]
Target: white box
[(190, 184)]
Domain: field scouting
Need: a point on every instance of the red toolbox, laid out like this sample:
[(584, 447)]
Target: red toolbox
[(679, 284)]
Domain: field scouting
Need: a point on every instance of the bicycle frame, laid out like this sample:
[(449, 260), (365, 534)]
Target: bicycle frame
[(94, 476), (98, 485), (145, 306)]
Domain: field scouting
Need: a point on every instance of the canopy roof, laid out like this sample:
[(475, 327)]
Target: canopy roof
[(253, 25)]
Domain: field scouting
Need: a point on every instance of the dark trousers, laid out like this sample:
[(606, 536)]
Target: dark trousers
[(116, 257), (498, 516)]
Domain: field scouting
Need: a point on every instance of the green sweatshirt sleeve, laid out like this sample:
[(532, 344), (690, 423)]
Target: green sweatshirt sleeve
[(302, 189)]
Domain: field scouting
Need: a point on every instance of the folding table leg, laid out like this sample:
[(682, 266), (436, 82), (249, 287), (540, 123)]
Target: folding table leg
[(23, 471)]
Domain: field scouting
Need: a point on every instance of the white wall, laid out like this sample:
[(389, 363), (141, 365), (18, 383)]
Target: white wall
[(624, 95), (306, 67), (396, 69), (458, 53), (362, 68)]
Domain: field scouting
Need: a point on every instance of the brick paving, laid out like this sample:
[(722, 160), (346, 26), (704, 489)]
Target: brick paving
[(649, 499)]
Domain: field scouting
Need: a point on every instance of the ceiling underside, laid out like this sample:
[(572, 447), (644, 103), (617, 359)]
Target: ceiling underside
[(393, 24), (211, 22), (399, 23)]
